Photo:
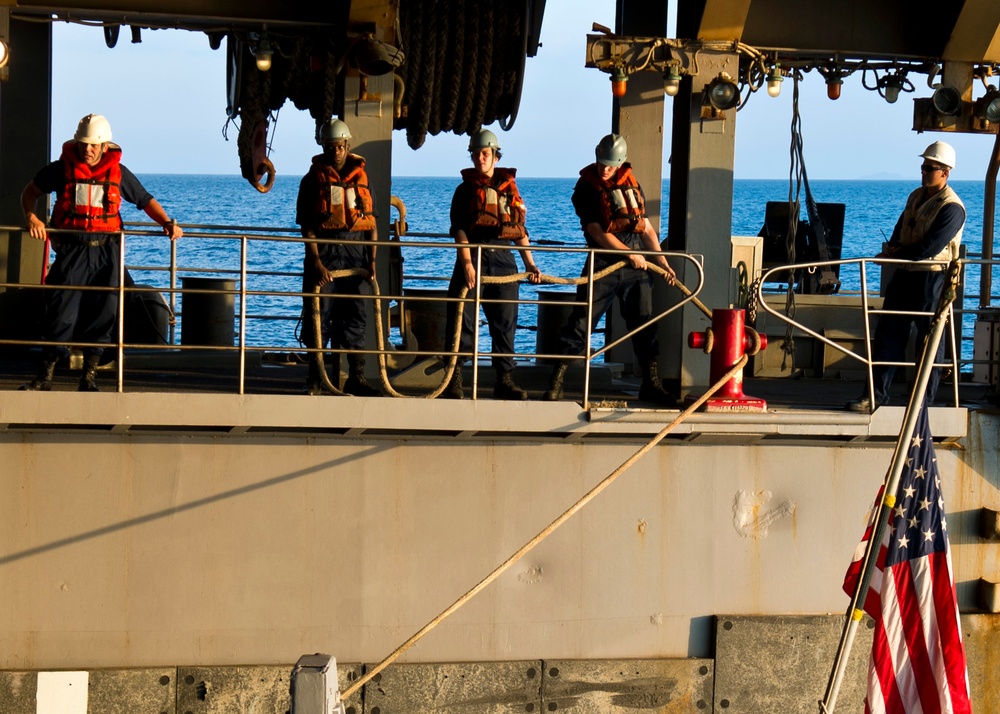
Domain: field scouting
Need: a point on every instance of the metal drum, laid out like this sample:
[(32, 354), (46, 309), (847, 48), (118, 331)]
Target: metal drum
[(208, 318), (147, 318), (427, 319)]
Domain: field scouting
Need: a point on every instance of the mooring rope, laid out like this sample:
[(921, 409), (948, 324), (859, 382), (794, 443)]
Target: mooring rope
[(545, 532), (452, 360)]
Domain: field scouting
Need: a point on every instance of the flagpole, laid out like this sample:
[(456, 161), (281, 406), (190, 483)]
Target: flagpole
[(855, 611)]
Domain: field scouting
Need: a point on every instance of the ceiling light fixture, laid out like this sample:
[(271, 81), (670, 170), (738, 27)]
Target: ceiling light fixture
[(890, 85), (375, 58), (834, 77), (774, 80), (263, 53), (672, 80), (619, 81)]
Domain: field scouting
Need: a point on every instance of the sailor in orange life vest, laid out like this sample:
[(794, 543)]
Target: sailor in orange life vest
[(930, 228), (487, 209), (336, 202), (90, 183), (611, 208)]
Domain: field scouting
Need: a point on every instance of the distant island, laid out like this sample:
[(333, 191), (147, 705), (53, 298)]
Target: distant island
[(884, 176)]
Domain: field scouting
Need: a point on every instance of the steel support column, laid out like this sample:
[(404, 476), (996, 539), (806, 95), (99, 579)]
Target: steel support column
[(25, 128), (701, 208), (368, 113), (638, 116)]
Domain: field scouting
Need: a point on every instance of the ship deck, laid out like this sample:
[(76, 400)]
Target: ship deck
[(198, 392)]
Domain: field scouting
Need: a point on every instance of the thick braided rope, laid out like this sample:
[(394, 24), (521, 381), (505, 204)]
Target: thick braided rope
[(545, 532), (452, 360)]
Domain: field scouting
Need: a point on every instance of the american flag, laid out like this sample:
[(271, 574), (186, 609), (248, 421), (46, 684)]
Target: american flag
[(917, 663)]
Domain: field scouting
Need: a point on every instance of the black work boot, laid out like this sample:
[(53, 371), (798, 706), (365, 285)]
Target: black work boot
[(88, 377), (506, 389), (555, 390), (356, 383), (651, 389), (43, 380), (454, 389), (314, 382)]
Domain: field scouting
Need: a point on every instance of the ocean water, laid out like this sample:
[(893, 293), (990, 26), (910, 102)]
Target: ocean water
[(212, 202)]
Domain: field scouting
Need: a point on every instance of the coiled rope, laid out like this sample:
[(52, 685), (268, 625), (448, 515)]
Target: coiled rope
[(456, 48), (453, 83), (463, 69)]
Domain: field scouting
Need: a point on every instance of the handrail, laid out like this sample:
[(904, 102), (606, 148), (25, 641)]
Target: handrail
[(243, 291), (248, 275), (866, 313)]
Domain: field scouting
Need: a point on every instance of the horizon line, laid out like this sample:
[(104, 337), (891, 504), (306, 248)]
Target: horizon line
[(543, 178)]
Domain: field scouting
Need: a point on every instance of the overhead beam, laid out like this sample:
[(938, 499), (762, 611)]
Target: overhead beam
[(976, 36), (723, 20), (180, 13)]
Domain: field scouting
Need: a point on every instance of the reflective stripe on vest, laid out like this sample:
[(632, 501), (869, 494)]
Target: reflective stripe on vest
[(90, 199), (496, 202), (343, 202), (623, 209)]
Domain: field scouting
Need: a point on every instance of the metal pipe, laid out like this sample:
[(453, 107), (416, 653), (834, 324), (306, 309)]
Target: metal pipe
[(243, 315), (477, 302), (245, 292), (120, 349), (989, 207), (173, 290), (590, 327), (866, 311)]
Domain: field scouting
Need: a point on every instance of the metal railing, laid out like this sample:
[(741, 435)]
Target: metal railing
[(246, 272), (865, 317)]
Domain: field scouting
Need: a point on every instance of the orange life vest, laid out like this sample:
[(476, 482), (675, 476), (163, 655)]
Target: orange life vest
[(344, 198), (623, 209), (496, 202), (91, 197)]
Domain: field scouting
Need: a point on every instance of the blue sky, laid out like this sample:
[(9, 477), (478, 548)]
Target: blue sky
[(167, 102)]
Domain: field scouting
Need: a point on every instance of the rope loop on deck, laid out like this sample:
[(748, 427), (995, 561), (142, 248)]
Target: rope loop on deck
[(452, 360)]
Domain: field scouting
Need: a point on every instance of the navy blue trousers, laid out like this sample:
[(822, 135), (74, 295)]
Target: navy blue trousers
[(342, 319), (82, 316), (634, 290), (501, 317), (911, 290)]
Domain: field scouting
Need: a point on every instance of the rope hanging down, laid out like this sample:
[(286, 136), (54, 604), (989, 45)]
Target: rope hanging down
[(798, 179), (795, 173), (463, 69)]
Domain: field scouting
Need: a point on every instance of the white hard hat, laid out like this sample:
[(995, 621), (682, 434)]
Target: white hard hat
[(333, 130), (940, 152), (93, 129)]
